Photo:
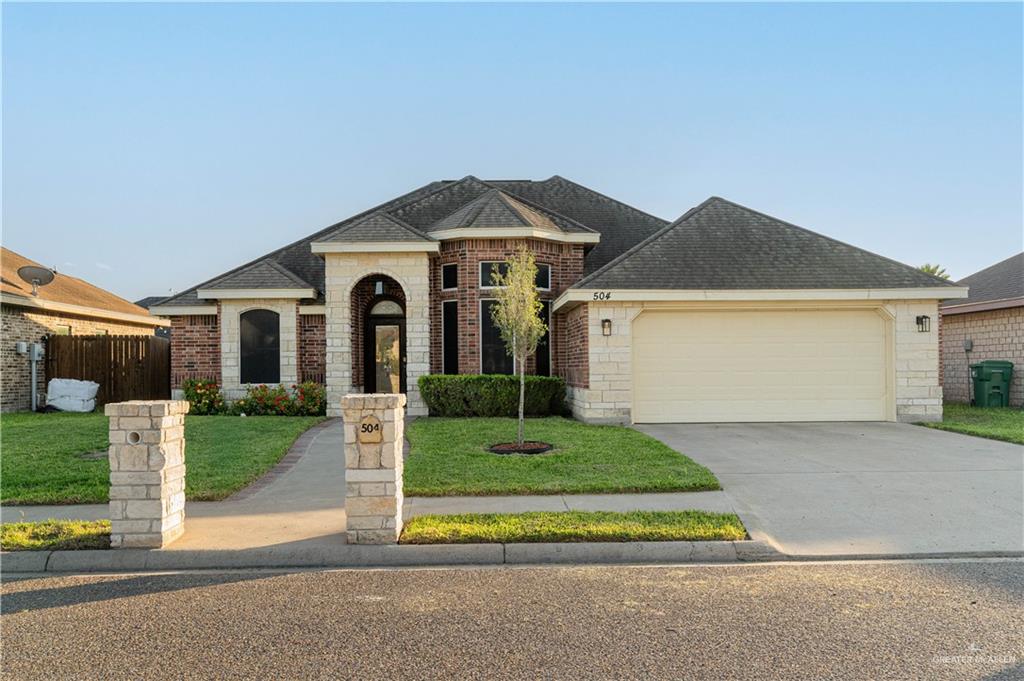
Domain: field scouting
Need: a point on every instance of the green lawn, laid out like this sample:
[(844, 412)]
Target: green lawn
[(61, 458), (449, 457), (55, 535), (573, 526), (995, 423)]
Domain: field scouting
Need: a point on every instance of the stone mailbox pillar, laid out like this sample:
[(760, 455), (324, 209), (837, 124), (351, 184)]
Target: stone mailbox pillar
[(147, 472), (374, 432)]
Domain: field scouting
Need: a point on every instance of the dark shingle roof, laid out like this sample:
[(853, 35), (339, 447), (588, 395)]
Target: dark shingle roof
[(722, 245), (495, 208), (621, 226), (1002, 281), (149, 301), (262, 274), (377, 226)]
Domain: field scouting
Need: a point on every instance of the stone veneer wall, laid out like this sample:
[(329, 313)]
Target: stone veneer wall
[(21, 324), (566, 261), (609, 396), (342, 272), (997, 334), (312, 347), (230, 312), (195, 348)]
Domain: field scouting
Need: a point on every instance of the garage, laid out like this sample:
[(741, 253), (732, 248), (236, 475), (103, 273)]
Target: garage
[(761, 365)]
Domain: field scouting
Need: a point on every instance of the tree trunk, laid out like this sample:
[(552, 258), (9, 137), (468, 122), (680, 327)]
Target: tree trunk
[(522, 400)]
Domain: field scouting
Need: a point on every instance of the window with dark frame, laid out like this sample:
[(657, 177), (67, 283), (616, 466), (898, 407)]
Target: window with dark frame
[(544, 346), (543, 277), (260, 352), (494, 359), (450, 337), (449, 276)]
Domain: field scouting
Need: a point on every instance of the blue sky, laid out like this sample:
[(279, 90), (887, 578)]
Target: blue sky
[(149, 147)]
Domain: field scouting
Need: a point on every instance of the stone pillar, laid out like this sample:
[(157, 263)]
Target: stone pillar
[(374, 433), (147, 472)]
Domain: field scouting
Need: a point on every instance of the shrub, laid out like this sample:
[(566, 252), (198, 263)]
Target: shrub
[(309, 399), (491, 395), (204, 396), (264, 400)]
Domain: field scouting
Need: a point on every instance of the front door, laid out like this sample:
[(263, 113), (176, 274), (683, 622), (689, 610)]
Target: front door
[(385, 355)]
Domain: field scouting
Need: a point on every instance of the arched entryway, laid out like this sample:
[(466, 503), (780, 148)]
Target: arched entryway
[(379, 335)]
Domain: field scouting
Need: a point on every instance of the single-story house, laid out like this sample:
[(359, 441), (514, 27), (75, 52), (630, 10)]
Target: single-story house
[(725, 314), (988, 324), (67, 306)]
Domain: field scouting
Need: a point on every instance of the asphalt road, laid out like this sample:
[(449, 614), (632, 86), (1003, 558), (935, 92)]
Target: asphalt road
[(922, 620)]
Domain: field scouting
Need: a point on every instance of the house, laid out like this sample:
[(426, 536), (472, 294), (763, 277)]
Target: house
[(990, 321), (726, 314), (148, 302), (66, 306)]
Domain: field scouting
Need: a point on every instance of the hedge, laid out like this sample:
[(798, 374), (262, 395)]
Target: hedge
[(491, 395)]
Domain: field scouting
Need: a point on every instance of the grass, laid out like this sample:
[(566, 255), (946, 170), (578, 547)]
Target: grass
[(55, 535), (994, 423), (61, 458), (573, 526), (449, 457)]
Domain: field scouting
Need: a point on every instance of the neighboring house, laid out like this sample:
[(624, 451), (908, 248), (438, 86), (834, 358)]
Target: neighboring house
[(66, 306), (725, 314), (992, 319)]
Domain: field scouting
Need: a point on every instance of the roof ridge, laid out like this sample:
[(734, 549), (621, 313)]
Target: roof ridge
[(992, 266), (447, 185), (310, 238), (606, 197), (510, 202), (398, 222), (654, 237), (940, 280)]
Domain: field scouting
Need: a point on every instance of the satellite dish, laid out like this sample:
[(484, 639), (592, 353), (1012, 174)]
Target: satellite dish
[(37, 276)]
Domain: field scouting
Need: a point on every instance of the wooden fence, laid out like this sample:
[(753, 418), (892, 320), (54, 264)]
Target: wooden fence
[(126, 367)]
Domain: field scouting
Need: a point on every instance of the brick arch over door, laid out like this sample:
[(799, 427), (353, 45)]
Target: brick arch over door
[(362, 294)]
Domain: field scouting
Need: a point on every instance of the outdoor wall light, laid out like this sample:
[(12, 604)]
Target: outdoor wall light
[(924, 323), (606, 327), (378, 288)]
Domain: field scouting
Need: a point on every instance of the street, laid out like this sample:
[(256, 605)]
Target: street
[(933, 620)]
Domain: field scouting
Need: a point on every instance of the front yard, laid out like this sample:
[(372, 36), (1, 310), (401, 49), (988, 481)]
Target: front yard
[(61, 458), (449, 457), (994, 423)]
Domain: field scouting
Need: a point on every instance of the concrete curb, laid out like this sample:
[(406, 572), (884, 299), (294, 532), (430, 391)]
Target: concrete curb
[(404, 555)]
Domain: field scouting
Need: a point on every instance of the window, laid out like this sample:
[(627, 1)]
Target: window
[(544, 346), (488, 268), (62, 330), (543, 277), (386, 308), (260, 340), (102, 332), (493, 357), (449, 276), (450, 337)]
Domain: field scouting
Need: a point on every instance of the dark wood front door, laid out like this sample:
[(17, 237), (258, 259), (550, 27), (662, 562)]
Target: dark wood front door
[(384, 367)]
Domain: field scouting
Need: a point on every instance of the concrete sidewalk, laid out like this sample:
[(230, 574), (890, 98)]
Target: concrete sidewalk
[(300, 505)]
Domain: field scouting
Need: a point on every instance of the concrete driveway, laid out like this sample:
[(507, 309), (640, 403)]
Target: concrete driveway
[(863, 488)]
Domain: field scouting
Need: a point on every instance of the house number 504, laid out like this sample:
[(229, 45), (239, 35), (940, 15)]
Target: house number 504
[(603, 295), (370, 430)]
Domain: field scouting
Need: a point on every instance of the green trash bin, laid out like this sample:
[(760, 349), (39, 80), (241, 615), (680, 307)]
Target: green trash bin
[(991, 380)]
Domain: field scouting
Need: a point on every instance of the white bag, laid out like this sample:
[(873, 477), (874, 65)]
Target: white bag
[(67, 394)]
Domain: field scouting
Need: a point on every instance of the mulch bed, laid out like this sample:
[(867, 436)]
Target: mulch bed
[(527, 448)]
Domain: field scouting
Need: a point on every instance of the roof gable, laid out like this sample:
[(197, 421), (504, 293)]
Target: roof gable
[(495, 209), (262, 274), (377, 226), (723, 245)]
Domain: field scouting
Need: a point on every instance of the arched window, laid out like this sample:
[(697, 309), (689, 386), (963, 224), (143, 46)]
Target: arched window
[(386, 308), (261, 346)]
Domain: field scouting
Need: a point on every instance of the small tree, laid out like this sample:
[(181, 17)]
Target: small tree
[(937, 270), (517, 315)]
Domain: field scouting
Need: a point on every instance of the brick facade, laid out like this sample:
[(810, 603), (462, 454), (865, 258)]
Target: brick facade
[(21, 324), (565, 260), (312, 347), (362, 294), (996, 334), (573, 363), (195, 348)]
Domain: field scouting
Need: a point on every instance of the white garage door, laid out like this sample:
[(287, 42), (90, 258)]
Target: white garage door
[(779, 365)]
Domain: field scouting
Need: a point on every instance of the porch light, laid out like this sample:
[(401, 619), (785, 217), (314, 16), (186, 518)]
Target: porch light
[(378, 288), (606, 327), (924, 323)]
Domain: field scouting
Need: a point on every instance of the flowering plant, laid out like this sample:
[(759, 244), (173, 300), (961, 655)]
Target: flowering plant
[(204, 396)]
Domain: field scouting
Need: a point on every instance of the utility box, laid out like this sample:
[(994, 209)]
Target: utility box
[(991, 379)]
